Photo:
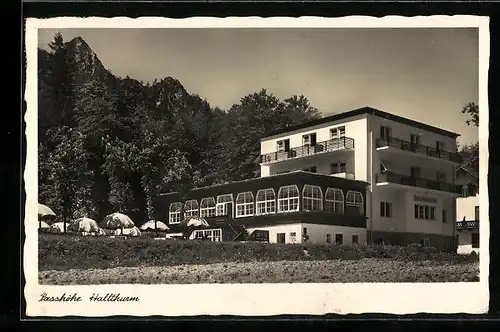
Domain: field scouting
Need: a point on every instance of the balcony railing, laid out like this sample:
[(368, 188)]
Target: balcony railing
[(421, 149), (469, 224), (418, 182), (308, 150)]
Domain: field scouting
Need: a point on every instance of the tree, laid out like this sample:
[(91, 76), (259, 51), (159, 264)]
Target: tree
[(65, 175), (472, 110), (470, 153), (246, 123)]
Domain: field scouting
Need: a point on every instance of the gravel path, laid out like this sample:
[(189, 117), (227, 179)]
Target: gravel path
[(364, 270)]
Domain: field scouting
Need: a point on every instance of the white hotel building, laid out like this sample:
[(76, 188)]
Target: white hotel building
[(409, 166), (378, 178)]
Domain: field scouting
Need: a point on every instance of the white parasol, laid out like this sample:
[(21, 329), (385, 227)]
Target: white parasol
[(117, 221), (84, 225), (154, 225)]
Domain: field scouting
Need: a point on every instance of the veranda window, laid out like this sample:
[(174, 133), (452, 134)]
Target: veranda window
[(244, 204), (207, 207), (174, 213), (265, 201), (191, 208), (334, 200), (354, 201), (288, 199), (312, 198), (224, 205)]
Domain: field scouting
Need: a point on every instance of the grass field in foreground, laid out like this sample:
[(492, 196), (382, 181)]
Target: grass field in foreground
[(363, 270)]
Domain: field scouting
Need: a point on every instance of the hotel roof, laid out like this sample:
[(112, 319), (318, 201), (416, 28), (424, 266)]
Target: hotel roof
[(291, 174), (365, 110)]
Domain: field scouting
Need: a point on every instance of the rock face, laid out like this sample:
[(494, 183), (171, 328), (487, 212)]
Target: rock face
[(167, 95)]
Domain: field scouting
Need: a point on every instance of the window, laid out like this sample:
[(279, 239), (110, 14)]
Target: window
[(304, 230), (224, 205), (309, 139), (444, 217), (439, 146), (328, 238), (425, 212), (415, 141), (214, 235), (385, 133), (265, 201), (385, 209), (355, 239), (288, 199), (475, 240), (339, 238), (244, 204), (311, 169), (283, 145), (334, 200), (339, 167), (354, 201), (441, 176), (191, 208), (207, 207), (415, 172), (293, 237), (174, 213), (338, 132), (465, 190), (312, 198), (476, 213)]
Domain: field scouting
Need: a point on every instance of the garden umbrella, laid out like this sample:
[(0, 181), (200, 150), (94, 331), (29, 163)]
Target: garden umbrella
[(195, 222), (117, 221), (86, 225), (44, 212), (154, 225)]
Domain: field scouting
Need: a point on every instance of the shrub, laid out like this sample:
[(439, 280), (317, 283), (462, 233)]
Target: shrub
[(62, 252)]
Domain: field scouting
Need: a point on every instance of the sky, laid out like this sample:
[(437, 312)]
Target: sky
[(424, 74)]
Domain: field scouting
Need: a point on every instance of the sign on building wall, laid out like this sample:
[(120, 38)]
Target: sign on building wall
[(425, 199)]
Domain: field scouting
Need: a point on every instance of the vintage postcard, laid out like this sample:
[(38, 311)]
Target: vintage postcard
[(256, 166)]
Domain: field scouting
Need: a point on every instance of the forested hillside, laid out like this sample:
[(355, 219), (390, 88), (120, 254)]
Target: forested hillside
[(110, 143)]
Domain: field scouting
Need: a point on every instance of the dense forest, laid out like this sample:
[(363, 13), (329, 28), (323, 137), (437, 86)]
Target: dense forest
[(112, 144)]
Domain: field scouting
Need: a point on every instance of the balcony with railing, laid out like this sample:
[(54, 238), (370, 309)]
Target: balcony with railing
[(467, 224), (405, 180), (403, 145), (337, 144)]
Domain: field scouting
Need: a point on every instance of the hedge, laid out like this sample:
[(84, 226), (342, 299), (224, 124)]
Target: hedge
[(63, 252)]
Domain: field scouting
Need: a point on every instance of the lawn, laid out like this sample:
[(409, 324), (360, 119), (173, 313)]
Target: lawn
[(65, 259)]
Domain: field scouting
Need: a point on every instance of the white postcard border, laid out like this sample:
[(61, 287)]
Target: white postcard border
[(256, 299)]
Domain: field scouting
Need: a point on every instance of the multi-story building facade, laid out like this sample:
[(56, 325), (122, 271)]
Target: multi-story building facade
[(467, 222), (409, 166), (398, 174)]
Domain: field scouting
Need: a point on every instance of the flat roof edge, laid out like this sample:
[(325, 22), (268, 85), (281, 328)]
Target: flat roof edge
[(359, 111), (267, 177)]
